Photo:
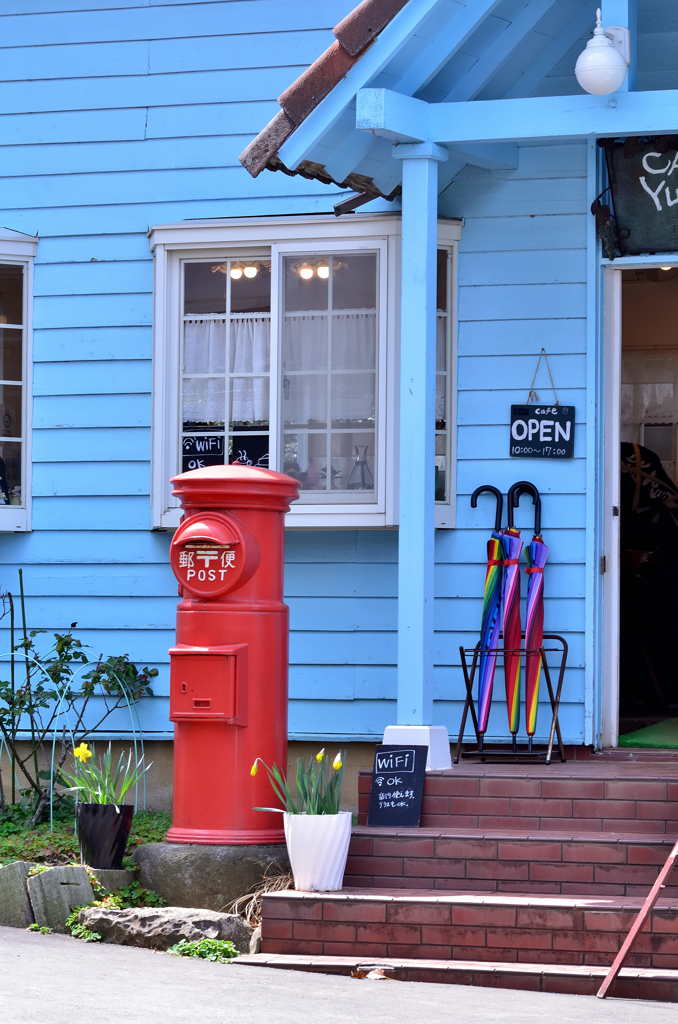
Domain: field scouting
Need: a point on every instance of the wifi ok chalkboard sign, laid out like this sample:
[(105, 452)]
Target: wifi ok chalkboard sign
[(397, 786)]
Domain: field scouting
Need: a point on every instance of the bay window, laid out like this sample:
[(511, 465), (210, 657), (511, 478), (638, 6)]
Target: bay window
[(283, 353)]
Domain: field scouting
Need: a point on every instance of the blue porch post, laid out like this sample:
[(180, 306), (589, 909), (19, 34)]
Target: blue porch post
[(624, 12), (417, 453)]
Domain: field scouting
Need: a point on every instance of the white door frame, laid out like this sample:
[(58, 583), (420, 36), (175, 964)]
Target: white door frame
[(612, 473)]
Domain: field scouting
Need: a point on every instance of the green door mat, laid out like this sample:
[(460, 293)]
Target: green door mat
[(663, 734)]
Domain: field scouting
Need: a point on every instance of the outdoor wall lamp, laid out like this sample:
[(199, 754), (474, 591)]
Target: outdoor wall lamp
[(601, 68)]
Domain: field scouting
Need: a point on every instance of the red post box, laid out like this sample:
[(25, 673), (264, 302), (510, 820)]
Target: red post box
[(228, 671)]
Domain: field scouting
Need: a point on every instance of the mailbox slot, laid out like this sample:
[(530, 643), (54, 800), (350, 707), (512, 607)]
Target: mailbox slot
[(209, 684)]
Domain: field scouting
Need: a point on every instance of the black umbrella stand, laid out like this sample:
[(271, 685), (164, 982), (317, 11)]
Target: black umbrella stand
[(485, 753)]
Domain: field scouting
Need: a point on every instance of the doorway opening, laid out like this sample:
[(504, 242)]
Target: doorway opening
[(648, 507)]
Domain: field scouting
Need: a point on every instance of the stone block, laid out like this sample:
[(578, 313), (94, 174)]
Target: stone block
[(112, 879), (196, 875), (15, 906), (162, 927), (55, 893)]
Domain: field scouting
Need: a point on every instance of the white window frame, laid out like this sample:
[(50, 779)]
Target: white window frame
[(449, 233), (19, 249), (272, 238)]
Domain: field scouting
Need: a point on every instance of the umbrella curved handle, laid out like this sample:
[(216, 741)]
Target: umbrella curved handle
[(500, 502), (514, 494)]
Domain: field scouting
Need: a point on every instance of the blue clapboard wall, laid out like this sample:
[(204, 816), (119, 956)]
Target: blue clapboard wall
[(120, 114)]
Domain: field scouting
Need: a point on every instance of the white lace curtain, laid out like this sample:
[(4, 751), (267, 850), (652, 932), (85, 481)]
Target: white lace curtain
[(205, 352), (305, 348), (305, 345)]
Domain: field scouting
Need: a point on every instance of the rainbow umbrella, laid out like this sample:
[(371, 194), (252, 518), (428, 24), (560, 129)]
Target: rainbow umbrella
[(536, 553), (512, 545), (491, 620)]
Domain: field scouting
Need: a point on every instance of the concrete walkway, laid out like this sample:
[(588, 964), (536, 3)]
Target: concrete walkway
[(54, 979)]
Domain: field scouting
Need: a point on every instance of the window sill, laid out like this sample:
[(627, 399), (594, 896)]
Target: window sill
[(14, 519), (326, 519)]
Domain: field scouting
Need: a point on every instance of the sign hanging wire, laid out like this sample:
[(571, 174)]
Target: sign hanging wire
[(532, 394)]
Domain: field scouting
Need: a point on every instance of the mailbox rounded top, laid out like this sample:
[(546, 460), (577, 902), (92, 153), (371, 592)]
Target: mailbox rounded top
[(230, 487)]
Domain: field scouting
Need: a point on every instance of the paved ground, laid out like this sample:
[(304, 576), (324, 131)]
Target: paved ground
[(54, 979)]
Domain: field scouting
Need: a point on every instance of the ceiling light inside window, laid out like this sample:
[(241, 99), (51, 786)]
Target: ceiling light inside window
[(306, 272), (236, 273), (324, 272), (666, 268), (251, 272)]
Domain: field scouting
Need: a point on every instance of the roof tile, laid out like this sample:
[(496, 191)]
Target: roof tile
[(354, 35), (316, 82), (365, 23), (267, 143)]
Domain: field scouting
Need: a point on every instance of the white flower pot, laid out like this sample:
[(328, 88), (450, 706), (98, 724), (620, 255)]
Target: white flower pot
[(317, 845)]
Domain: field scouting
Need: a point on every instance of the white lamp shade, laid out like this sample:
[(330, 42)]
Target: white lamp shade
[(601, 68)]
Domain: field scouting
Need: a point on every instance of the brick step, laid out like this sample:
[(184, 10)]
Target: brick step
[(566, 863), (632, 983), (592, 796), (506, 928)]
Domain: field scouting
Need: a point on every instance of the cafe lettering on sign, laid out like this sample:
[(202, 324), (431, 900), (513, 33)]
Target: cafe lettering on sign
[(542, 432), (643, 175)]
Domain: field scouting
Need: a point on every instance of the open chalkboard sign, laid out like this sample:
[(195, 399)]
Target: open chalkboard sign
[(397, 786)]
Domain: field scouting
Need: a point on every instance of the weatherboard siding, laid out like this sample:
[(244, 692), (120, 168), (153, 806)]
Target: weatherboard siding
[(522, 274), (134, 114)]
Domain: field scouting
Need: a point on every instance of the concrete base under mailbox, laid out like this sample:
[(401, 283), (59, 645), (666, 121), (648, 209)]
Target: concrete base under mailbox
[(209, 877)]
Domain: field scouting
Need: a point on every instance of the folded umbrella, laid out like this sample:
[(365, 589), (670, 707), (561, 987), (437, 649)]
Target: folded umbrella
[(512, 546), (490, 625), (536, 553)]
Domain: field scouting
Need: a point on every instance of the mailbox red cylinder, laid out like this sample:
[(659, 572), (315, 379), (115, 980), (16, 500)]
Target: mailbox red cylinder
[(228, 672)]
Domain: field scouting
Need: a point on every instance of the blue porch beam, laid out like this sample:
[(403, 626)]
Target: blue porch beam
[(405, 119), (416, 534)]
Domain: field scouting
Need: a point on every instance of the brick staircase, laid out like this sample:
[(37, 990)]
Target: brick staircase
[(520, 876)]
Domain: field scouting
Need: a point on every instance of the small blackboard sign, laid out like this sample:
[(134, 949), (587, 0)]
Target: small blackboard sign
[(205, 450), (542, 432), (397, 786)]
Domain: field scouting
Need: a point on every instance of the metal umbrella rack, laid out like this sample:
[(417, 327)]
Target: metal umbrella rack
[(516, 645)]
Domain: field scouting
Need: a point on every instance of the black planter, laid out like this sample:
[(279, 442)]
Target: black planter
[(103, 830)]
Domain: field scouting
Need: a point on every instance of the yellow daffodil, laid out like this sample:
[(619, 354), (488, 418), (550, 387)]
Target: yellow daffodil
[(254, 769), (82, 752), (319, 756), (336, 764)]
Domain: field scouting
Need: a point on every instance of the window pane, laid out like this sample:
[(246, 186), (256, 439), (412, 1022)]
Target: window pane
[(10, 354), (10, 410), (304, 343), (441, 281), (441, 402), (354, 281), (205, 287), (306, 283), (441, 467), (353, 399), (250, 345), (250, 286), (441, 343), (354, 338), (249, 403), (304, 400), (205, 346), (248, 450), (204, 402), (10, 473), (11, 294), (305, 458), (353, 461)]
